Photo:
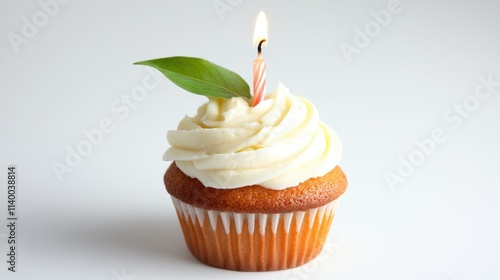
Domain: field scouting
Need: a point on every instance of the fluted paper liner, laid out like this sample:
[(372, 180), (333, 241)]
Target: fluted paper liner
[(254, 241)]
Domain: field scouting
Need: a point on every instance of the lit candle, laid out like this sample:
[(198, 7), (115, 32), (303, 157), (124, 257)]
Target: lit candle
[(259, 64)]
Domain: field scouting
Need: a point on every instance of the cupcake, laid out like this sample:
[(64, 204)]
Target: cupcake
[(255, 188)]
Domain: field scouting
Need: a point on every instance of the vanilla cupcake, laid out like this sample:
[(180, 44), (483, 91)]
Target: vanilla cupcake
[(255, 188)]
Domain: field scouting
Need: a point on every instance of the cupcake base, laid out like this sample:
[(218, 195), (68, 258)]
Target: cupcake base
[(254, 241)]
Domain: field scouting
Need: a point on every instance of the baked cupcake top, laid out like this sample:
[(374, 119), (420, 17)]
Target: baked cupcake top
[(277, 144), (309, 194)]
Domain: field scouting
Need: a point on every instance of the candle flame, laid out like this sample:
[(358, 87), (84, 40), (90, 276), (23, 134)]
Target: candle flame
[(260, 32)]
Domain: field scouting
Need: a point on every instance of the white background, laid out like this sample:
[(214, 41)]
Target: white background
[(110, 218)]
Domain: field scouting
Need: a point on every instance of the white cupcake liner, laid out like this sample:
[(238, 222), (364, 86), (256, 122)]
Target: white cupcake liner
[(197, 215), (254, 241)]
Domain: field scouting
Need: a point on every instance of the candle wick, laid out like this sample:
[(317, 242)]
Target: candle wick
[(259, 48)]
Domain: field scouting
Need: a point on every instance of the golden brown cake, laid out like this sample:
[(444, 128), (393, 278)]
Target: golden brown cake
[(312, 193)]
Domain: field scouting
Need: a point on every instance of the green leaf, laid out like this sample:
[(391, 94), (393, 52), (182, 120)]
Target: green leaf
[(200, 76)]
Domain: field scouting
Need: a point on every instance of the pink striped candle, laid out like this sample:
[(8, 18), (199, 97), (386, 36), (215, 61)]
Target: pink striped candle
[(259, 64), (259, 77)]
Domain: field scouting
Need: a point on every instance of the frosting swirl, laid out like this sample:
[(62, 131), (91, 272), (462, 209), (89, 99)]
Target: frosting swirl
[(277, 144)]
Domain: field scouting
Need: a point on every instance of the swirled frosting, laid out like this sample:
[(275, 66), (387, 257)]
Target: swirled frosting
[(277, 144)]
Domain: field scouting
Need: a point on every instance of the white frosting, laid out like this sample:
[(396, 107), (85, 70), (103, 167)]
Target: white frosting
[(277, 144)]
